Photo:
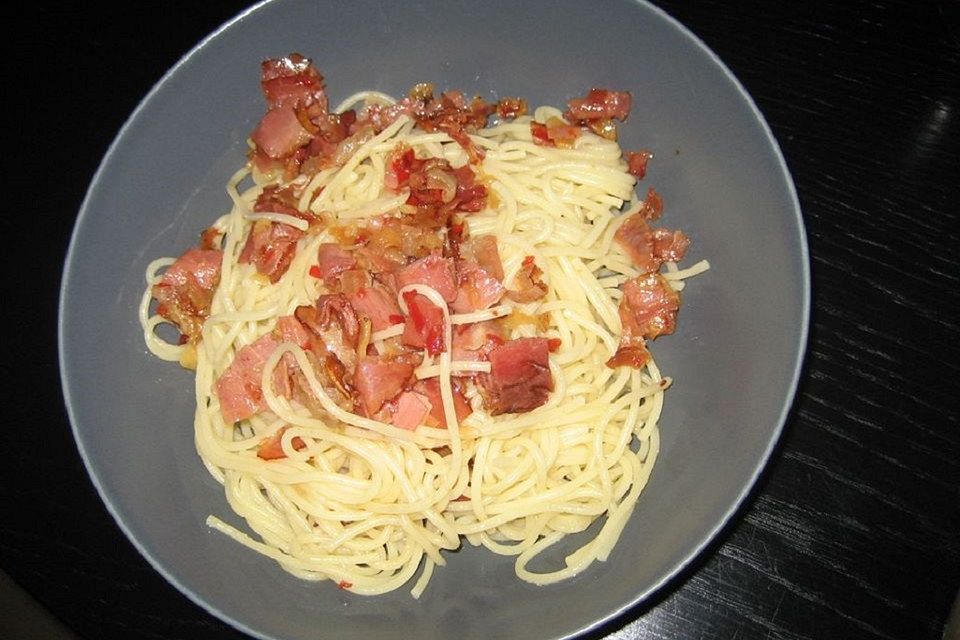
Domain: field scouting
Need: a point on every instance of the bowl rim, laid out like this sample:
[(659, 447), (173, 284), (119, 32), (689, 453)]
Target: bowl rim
[(696, 550)]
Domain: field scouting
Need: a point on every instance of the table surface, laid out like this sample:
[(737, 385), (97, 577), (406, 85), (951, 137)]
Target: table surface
[(854, 530)]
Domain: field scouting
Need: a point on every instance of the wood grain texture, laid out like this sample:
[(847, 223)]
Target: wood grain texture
[(854, 530)]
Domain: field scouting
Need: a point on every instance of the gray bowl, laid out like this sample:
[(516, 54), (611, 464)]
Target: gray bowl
[(735, 358)]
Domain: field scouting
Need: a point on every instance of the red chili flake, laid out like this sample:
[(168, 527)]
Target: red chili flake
[(343, 584), (183, 339), (539, 132), (427, 321), (315, 271), (553, 344), (401, 167)]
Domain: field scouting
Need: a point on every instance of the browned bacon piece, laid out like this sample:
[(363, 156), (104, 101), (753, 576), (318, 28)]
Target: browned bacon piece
[(510, 108), (519, 378), (637, 163), (647, 247), (333, 261), (185, 290), (291, 80), (530, 286), (483, 250), (277, 199), (648, 309), (270, 247), (437, 190), (600, 104), (453, 115), (477, 288), (377, 303)]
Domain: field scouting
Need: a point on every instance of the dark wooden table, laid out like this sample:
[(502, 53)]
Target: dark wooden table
[(853, 532)]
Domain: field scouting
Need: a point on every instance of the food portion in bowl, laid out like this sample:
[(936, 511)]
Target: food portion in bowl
[(424, 321)]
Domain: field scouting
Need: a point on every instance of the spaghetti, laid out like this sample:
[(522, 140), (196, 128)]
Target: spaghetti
[(347, 492)]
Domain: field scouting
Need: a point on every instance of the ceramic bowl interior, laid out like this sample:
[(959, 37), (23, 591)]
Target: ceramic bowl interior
[(735, 358)]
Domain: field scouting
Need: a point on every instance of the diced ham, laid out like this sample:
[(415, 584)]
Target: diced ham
[(437, 189), (410, 410), (186, 289), (487, 255), (601, 104), (670, 246), (433, 271), (280, 133), (352, 280), (378, 380), (529, 285), (238, 388), (373, 260), (430, 388), (598, 110), (272, 449), (478, 289), (471, 196), (424, 324), (519, 378), (378, 304), (636, 238), (473, 342), (648, 309), (453, 115), (333, 261), (649, 248), (289, 329), (270, 247), (388, 243), (291, 80)]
